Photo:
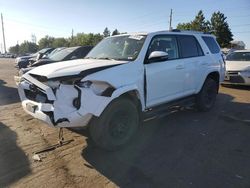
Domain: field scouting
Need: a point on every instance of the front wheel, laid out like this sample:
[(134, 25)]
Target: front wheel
[(205, 99), (116, 125)]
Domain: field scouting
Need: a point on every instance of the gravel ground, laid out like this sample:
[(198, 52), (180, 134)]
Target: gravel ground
[(184, 149)]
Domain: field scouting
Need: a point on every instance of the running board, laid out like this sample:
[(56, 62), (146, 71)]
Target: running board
[(168, 108)]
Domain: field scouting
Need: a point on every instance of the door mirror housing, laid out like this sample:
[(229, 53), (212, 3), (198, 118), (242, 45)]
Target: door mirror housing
[(157, 56)]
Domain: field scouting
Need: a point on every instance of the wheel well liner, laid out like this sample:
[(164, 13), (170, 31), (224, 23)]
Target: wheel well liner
[(134, 96), (216, 77)]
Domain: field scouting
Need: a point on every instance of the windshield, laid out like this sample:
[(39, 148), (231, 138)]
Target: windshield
[(125, 47), (238, 56), (42, 51), (59, 56)]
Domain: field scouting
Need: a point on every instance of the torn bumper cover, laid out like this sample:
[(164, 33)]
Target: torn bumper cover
[(55, 106)]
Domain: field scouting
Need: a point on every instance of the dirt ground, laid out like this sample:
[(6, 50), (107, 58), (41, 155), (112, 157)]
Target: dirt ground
[(184, 149)]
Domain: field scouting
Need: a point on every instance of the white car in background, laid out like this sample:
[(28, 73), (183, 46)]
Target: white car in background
[(238, 68)]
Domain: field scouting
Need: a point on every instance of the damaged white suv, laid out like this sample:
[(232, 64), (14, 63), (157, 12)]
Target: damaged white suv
[(123, 78)]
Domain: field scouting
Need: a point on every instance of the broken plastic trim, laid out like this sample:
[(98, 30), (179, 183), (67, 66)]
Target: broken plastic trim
[(39, 77), (108, 92), (77, 101), (51, 116)]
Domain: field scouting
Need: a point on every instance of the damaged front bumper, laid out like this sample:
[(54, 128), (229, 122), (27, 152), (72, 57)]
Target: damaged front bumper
[(51, 106)]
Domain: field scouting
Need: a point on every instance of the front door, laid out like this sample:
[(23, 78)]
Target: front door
[(164, 78)]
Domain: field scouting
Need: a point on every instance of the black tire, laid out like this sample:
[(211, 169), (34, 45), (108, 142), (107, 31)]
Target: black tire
[(116, 125), (205, 99)]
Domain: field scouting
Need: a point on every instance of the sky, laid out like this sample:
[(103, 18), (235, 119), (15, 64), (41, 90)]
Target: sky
[(57, 18)]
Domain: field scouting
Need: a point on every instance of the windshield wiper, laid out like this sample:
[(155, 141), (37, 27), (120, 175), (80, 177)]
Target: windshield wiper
[(106, 58), (90, 58)]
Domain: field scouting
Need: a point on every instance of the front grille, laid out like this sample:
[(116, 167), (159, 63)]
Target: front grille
[(232, 72), (34, 93), (235, 79)]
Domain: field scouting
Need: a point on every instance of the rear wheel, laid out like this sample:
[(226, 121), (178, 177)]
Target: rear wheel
[(205, 99), (116, 125)]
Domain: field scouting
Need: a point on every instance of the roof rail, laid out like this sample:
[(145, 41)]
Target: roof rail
[(190, 31)]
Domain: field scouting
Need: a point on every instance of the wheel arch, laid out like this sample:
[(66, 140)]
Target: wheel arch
[(215, 75)]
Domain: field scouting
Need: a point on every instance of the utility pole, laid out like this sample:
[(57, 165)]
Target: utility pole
[(4, 45), (170, 20), (72, 36)]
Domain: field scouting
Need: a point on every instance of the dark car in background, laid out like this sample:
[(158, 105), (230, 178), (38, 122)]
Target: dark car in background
[(23, 61), (62, 55)]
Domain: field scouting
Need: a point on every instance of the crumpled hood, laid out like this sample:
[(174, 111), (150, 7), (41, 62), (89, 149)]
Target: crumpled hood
[(72, 67), (237, 65)]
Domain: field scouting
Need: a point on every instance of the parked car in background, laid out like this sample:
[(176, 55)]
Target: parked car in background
[(62, 55), (7, 55), (238, 68), (53, 52), (23, 61)]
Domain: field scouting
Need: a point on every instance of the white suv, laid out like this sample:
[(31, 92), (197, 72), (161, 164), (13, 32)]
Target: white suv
[(123, 78)]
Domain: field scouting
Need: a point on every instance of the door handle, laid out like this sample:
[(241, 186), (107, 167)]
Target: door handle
[(178, 67)]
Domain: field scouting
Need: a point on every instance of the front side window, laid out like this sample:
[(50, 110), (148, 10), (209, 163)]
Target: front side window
[(164, 43), (189, 47), (126, 47)]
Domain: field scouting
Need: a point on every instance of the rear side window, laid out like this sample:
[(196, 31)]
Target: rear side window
[(189, 47), (211, 44)]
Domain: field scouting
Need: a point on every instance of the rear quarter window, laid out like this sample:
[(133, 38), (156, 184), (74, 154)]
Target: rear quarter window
[(211, 44)]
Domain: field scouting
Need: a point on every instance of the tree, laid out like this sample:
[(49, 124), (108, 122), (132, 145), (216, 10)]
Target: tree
[(184, 26), (25, 47), (14, 49), (60, 42), (199, 23), (220, 29), (106, 32), (82, 39), (46, 42), (115, 32)]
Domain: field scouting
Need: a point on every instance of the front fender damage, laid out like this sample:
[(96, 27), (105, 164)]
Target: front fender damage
[(67, 111), (75, 106)]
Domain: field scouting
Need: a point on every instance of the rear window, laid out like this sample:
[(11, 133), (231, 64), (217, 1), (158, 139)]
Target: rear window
[(189, 47), (211, 44)]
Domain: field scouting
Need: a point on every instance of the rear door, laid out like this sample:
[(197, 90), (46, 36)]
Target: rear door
[(192, 57)]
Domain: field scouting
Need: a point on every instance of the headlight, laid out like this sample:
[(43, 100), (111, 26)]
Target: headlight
[(53, 84), (246, 70)]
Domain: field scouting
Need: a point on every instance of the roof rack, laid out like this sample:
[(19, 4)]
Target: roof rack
[(190, 31)]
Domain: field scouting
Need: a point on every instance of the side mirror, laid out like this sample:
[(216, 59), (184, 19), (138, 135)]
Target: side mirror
[(157, 56)]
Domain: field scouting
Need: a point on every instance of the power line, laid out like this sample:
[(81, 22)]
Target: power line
[(241, 32)]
